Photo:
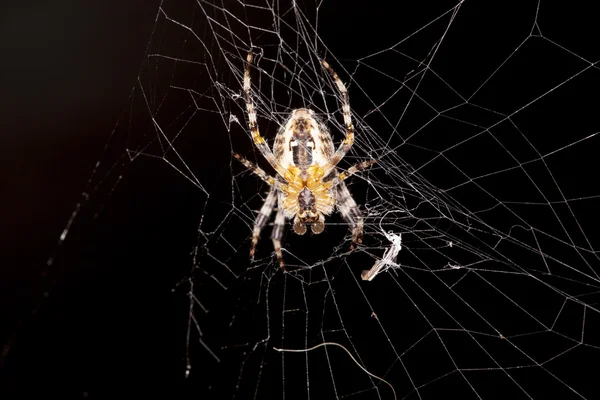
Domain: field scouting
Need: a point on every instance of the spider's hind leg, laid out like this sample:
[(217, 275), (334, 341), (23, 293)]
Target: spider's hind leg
[(277, 235), (350, 212), (262, 218)]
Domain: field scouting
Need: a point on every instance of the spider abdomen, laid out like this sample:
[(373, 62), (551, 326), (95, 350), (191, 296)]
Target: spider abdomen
[(302, 152)]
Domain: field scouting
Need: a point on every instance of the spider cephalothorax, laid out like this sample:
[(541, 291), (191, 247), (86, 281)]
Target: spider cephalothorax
[(308, 185)]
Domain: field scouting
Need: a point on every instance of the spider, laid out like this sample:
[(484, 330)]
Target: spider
[(308, 185)]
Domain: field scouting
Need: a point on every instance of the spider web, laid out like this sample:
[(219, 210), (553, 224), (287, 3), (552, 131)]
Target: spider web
[(479, 213)]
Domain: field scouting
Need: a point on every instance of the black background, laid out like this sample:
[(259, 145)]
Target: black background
[(103, 320)]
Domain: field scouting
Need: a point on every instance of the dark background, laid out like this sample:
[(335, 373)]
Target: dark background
[(67, 69), (103, 320)]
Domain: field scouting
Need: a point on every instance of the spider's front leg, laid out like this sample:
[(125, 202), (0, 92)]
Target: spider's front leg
[(345, 100), (258, 140)]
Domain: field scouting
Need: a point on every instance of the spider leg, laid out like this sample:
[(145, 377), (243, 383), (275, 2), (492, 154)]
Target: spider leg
[(255, 169), (351, 171), (259, 141), (262, 218), (277, 235), (350, 212), (349, 139)]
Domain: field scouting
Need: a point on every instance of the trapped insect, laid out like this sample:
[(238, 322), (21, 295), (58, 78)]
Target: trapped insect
[(308, 185)]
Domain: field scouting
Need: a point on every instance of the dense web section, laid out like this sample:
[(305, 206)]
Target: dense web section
[(478, 276)]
